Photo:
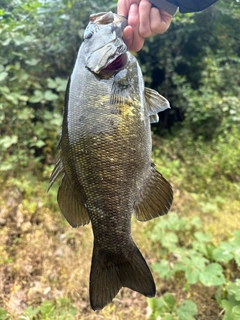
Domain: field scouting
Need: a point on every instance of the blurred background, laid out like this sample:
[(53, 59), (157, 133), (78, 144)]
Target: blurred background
[(194, 251)]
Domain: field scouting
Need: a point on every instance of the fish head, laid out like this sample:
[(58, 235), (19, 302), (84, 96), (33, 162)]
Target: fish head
[(104, 48)]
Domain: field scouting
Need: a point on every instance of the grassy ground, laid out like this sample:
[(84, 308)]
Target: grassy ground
[(43, 259)]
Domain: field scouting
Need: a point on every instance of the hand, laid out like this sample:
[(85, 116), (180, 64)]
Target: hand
[(143, 21)]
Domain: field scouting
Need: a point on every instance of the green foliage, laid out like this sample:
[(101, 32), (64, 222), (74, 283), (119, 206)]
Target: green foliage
[(166, 308), (187, 251), (195, 66), (195, 69), (231, 304), (3, 314), (212, 108), (229, 250), (39, 44), (194, 259), (210, 168), (60, 310), (29, 105)]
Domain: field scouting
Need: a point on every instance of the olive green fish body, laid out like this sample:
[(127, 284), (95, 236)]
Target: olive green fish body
[(105, 159)]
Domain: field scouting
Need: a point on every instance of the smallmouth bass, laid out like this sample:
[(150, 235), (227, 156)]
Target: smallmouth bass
[(105, 158)]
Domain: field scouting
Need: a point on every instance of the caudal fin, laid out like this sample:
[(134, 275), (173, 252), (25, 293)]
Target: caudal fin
[(110, 272)]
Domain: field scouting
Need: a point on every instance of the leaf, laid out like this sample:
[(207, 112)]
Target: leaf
[(6, 42), (170, 300), (234, 289), (237, 257), (226, 305), (162, 269), (168, 317), (39, 143), (196, 222), (47, 308), (192, 276), (187, 310), (3, 75), (26, 114), (4, 89), (61, 84), (223, 253), (202, 237), (37, 97), (50, 96), (3, 314), (195, 267), (212, 275), (236, 243), (5, 166), (56, 120), (32, 62), (169, 240), (166, 303), (7, 142), (30, 312), (51, 83), (236, 312), (152, 302)]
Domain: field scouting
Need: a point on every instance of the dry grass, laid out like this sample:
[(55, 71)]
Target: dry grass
[(42, 257)]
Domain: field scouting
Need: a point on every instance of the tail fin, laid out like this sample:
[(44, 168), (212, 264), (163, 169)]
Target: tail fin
[(110, 272)]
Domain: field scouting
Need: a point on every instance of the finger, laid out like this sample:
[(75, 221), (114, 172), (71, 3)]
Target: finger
[(136, 45), (128, 36), (166, 17), (133, 21), (123, 7), (160, 21), (144, 19)]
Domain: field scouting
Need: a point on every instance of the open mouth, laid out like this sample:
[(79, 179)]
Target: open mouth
[(118, 63)]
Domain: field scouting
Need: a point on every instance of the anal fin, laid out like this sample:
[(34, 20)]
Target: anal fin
[(72, 205), (156, 197)]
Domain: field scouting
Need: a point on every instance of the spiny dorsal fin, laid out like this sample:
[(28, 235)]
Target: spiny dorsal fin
[(58, 169), (155, 103), (72, 207), (155, 197)]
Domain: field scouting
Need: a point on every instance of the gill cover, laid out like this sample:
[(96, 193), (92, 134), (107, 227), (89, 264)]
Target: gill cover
[(103, 42)]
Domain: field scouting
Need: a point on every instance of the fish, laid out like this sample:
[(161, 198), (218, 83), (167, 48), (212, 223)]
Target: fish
[(105, 158)]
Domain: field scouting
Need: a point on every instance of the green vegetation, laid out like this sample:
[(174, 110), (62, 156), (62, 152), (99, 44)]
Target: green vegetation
[(197, 262), (194, 251), (62, 310)]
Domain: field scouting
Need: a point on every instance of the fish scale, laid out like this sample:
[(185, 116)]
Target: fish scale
[(105, 158)]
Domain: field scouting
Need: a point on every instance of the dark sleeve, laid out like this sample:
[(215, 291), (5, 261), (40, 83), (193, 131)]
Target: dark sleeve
[(184, 5)]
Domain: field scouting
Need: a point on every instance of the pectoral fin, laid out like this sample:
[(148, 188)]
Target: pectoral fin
[(156, 197), (155, 103), (71, 205)]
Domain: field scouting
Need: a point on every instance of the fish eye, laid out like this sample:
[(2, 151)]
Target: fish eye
[(88, 35)]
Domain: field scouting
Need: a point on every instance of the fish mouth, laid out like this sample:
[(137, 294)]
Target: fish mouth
[(118, 63), (104, 47)]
